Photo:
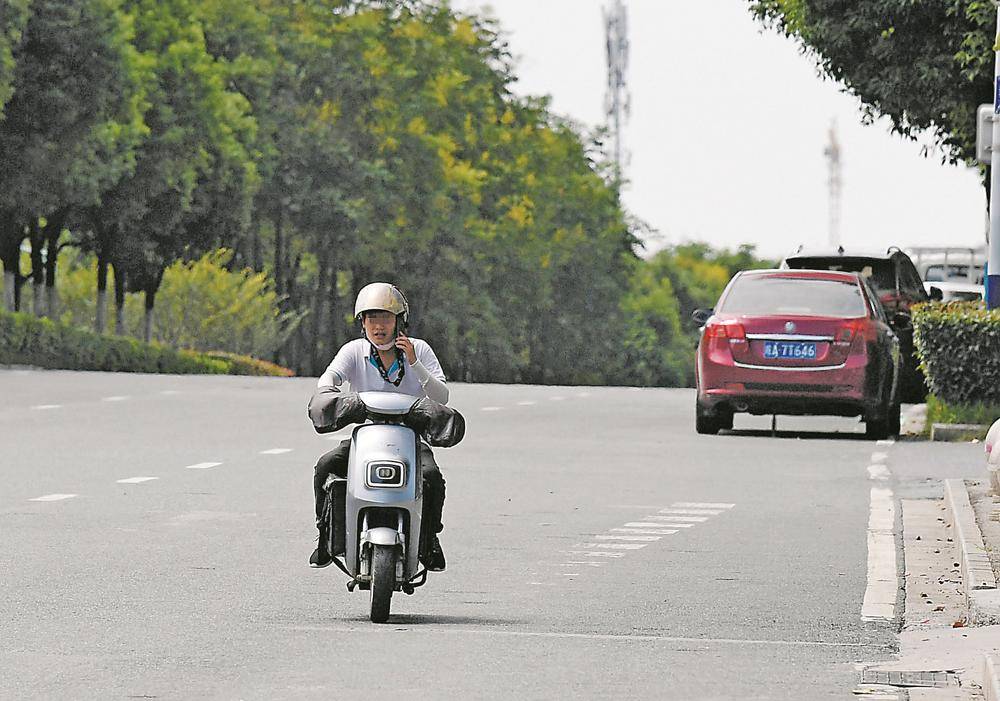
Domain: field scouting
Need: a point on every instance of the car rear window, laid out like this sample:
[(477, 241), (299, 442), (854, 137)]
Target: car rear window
[(770, 294), (879, 272)]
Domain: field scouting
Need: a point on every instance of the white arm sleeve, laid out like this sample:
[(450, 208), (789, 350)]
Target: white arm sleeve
[(435, 388), (339, 370)]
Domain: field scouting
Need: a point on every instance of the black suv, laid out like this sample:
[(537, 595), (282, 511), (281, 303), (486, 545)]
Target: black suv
[(899, 287)]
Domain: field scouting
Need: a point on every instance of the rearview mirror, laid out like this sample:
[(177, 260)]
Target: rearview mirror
[(700, 316), (936, 294)]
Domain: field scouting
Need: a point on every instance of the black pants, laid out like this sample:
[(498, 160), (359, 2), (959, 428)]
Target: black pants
[(336, 462)]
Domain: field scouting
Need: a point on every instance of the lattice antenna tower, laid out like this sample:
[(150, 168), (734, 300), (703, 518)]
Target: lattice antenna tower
[(834, 183), (617, 101)]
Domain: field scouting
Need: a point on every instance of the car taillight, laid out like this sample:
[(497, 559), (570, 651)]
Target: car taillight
[(727, 329), (847, 334)]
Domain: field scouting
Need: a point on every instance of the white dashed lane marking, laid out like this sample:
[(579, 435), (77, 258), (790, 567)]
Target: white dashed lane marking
[(202, 465), (527, 402), (878, 472), (492, 408), (137, 480), (556, 399), (42, 407), (170, 391), (53, 497), (116, 398), (275, 451)]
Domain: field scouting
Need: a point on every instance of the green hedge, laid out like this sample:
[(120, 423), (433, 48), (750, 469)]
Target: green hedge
[(29, 340), (959, 349)]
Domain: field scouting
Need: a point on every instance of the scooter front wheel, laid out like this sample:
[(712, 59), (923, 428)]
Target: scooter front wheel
[(383, 581)]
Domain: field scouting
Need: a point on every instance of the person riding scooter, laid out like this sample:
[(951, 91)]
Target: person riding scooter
[(384, 359)]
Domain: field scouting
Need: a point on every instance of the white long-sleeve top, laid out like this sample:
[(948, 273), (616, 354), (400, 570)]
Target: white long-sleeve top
[(353, 364)]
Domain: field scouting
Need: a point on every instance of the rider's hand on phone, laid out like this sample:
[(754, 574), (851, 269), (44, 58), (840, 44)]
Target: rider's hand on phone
[(406, 345)]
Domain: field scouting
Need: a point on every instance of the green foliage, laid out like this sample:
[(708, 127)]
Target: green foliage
[(27, 340), (924, 65), (982, 413), (959, 349), (204, 306)]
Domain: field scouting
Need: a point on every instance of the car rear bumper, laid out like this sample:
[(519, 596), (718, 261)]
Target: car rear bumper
[(837, 390)]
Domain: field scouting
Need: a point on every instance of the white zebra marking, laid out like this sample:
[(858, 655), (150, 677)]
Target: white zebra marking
[(681, 519), (42, 407), (647, 524), (692, 512), (643, 531), (701, 505), (636, 538), (887, 441), (275, 451), (136, 480), (879, 457), (202, 465), (53, 497), (585, 563), (613, 546), (592, 553)]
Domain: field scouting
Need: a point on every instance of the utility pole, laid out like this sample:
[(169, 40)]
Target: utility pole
[(617, 101), (993, 258), (834, 182)]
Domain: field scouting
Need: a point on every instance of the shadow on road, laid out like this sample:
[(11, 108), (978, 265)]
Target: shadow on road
[(804, 435), (420, 619)]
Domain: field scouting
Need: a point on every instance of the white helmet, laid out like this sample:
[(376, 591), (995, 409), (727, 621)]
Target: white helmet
[(381, 296)]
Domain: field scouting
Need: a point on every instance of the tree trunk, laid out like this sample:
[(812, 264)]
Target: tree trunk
[(279, 252), (319, 303), (119, 299), (100, 320), (147, 332), (37, 239), (53, 230)]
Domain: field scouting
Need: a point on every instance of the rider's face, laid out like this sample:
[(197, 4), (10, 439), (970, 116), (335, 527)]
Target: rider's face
[(379, 326)]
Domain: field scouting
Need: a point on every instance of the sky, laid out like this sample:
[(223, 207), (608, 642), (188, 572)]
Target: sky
[(728, 126)]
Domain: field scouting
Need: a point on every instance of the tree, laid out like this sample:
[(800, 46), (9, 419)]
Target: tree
[(69, 128), (923, 65)]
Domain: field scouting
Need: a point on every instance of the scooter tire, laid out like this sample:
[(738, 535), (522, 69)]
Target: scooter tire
[(383, 581)]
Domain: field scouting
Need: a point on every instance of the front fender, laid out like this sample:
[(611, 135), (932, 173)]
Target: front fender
[(381, 536)]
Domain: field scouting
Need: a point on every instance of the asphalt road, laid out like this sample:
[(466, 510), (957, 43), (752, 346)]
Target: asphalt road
[(195, 585)]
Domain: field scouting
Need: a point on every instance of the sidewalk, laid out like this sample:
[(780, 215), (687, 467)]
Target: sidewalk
[(949, 643)]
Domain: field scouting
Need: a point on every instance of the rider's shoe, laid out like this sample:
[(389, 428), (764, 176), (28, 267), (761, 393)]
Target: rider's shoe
[(320, 557), (434, 558)]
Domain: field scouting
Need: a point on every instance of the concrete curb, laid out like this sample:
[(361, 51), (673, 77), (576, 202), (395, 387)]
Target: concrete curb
[(991, 677), (957, 432), (979, 584)]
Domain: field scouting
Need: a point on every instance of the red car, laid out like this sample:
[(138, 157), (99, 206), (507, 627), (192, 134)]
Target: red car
[(797, 342)]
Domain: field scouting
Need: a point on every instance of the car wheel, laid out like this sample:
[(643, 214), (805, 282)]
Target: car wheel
[(705, 423)]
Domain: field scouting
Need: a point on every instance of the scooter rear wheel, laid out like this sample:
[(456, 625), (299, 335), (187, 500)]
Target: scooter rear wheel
[(383, 581)]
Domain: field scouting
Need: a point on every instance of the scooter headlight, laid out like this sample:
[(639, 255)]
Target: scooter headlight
[(385, 473)]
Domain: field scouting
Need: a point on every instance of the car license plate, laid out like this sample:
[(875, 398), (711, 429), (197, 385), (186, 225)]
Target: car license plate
[(789, 349)]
